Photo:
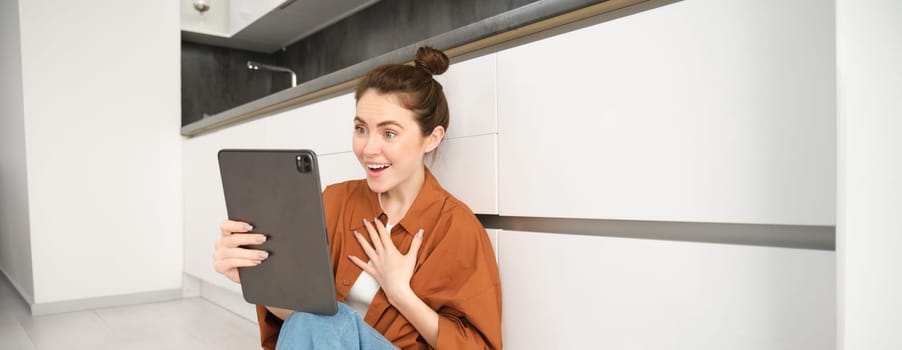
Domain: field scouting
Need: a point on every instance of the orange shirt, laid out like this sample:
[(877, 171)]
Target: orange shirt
[(456, 273)]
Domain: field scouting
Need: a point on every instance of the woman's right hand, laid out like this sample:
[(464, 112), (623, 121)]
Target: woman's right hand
[(228, 256)]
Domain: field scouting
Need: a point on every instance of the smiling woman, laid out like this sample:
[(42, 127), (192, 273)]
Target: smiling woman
[(413, 266)]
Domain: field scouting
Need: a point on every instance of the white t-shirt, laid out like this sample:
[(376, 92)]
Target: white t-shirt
[(364, 289)]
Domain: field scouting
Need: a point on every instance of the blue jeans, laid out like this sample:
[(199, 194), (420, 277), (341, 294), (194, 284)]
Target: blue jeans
[(344, 330)]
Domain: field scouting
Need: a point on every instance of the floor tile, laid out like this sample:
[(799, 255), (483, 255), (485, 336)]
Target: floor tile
[(12, 336), (11, 304), (195, 318), (190, 323), (75, 330)]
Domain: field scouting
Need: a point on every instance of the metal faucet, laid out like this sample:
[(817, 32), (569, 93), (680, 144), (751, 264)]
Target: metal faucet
[(252, 65)]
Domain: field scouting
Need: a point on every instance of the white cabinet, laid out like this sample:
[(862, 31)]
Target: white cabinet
[(466, 168), (470, 88), (204, 203), (493, 236), (340, 167), (584, 292), (326, 126), (687, 112)]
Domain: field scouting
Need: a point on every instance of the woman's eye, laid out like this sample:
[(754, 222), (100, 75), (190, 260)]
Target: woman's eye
[(390, 134), (360, 130)]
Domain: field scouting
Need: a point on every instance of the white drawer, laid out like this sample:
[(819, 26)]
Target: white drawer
[(584, 292)]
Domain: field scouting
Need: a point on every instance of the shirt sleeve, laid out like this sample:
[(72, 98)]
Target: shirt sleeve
[(474, 330), (470, 317), (269, 327)]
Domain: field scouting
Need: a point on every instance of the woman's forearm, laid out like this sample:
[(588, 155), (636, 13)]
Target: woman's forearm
[(282, 314), (420, 315)]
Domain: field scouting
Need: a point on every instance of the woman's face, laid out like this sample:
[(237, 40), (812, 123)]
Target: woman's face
[(388, 141)]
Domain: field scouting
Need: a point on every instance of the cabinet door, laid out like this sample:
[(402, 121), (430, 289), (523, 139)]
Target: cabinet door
[(472, 97), (339, 167), (466, 168), (675, 114), (326, 126), (203, 201), (586, 292)]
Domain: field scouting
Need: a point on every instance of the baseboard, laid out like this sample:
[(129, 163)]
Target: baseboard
[(191, 287), (28, 297), (106, 301), (226, 299)]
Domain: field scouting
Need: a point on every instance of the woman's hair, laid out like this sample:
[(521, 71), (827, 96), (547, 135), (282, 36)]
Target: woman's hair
[(415, 87)]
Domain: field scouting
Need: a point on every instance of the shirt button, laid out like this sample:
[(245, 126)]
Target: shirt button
[(345, 282)]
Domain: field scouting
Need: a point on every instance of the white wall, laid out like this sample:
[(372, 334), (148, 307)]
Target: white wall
[(869, 227), (101, 96), (15, 245)]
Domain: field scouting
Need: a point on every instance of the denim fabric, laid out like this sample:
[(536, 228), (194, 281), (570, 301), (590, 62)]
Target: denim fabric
[(344, 330)]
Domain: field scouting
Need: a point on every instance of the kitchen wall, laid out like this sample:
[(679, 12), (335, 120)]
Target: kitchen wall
[(215, 79), (384, 27), (688, 112), (15, 238), (101, 153)]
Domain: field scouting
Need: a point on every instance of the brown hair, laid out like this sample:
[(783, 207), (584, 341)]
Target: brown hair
[(418, 91)]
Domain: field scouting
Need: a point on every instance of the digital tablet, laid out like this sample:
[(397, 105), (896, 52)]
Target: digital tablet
[(279, 193)]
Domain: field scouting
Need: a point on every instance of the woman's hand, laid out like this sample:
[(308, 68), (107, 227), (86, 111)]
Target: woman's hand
[(389, 267), (228, 257)]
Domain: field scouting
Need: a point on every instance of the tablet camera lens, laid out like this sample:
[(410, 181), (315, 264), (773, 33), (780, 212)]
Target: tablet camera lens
[(304, 163)]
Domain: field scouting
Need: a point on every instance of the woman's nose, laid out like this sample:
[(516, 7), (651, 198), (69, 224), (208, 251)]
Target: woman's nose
[(372, 146)]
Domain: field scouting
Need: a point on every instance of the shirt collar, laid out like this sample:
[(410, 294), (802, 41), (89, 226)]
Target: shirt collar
[(422, 212)]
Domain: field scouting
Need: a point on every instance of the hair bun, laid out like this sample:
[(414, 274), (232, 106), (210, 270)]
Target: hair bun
[(431, 60)]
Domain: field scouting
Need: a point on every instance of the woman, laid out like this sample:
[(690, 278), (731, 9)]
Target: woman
[(413, 266)]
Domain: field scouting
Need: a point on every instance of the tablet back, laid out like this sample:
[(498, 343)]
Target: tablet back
[(278, 192)]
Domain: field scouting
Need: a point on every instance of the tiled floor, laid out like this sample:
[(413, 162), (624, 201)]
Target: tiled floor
[(191, 323)]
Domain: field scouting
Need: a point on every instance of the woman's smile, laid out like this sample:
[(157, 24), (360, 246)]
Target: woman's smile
[(376, 169)]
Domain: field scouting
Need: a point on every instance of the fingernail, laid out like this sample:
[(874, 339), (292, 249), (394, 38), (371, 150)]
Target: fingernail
[(420, 234), (261, 239), (263, 255), (258, 262), (365, 222), (248, 227), (357, 233)]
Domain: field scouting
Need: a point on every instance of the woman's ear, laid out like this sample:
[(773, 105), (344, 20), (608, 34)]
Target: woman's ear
[(435, 138)]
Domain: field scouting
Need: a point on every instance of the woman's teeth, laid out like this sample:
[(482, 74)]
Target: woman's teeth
[(378, 166)]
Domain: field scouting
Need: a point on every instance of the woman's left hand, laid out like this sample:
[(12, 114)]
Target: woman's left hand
[(389, 267)]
